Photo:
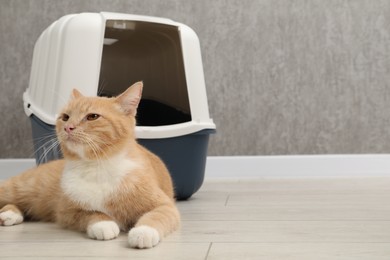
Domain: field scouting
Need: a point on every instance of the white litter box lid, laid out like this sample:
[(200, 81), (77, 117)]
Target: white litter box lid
[(68, 55)]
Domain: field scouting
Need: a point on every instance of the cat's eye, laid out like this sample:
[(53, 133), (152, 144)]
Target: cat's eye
[(91, 117), (64, 117)]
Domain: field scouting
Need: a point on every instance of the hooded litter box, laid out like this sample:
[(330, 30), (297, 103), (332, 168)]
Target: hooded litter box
[(103, 54)]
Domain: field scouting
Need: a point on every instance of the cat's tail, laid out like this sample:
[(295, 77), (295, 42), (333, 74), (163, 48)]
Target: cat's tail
[(10, 214), (5, 193), (2, 191), (16, 188), (33, 191)]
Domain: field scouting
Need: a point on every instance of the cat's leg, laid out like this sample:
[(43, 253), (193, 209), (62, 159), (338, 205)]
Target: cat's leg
[(153, 226), (97, 225), (103, 230), (10, 215)]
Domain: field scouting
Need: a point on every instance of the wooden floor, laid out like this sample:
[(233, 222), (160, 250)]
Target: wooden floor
[(258, 219)]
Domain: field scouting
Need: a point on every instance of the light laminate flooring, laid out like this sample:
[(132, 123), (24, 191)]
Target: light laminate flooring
[(334, 218)]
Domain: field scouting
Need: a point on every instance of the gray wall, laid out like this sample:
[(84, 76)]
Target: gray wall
[(283, 76)]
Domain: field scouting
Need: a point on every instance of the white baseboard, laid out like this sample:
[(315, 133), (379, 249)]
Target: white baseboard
[(367, 165), (12, 167), (296, 166)]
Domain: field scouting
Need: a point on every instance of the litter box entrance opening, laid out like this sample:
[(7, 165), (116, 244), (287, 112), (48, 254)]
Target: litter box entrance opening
[(149, 52)]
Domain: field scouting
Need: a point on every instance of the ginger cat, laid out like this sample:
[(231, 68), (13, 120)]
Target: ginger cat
[(107, 181)]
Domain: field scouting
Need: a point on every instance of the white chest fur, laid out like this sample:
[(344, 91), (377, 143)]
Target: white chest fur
[(91, 183)]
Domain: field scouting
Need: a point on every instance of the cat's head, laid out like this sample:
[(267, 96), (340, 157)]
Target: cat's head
[(97, 127)]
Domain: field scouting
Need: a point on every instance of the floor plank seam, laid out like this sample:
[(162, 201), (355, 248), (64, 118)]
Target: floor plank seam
[(208, 251), (227, 200)]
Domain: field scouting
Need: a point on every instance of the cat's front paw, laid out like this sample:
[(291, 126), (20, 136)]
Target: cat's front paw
[(143, 237), (10, 218), (103, 230)]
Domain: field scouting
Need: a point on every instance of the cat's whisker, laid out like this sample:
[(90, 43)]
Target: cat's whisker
[(42, 142), (48, 143), (97, 149), (89, 141), (43, 157), (44, 136), (94, 148), (103, 144), (102, 86)]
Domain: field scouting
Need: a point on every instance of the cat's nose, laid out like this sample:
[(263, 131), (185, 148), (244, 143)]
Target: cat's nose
[(69, 128)]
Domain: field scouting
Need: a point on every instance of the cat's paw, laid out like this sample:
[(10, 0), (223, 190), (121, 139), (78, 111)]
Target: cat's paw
[(103, 230), (9, 218), (143, 237)]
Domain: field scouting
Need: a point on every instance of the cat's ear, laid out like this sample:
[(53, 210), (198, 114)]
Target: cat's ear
[(130, 99), (76, 94)]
